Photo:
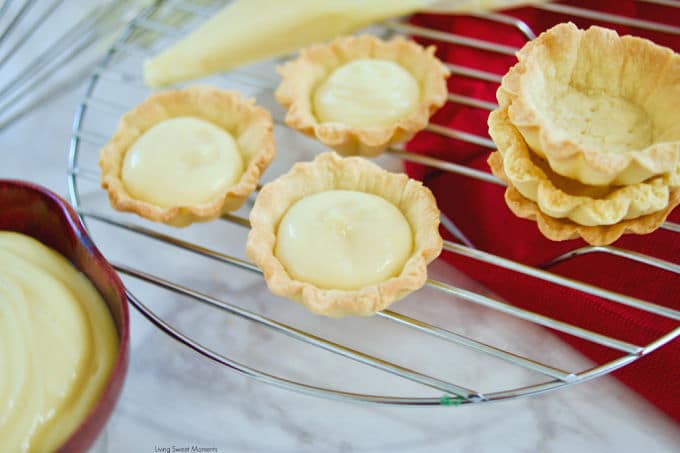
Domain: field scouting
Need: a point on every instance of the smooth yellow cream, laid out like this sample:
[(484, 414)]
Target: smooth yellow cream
[(58, 345), (181, 161), (367, 93), (343, 239)]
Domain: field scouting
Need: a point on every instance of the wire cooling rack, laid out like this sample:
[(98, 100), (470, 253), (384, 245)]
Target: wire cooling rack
[(117, 85)]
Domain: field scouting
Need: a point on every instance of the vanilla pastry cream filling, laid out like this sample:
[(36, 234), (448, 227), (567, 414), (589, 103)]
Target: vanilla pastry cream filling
[(181, 161), (366, 93), (598, 121), (343, 239), (58, 346)]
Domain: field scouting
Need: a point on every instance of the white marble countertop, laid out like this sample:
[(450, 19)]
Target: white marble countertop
[(175, 398)]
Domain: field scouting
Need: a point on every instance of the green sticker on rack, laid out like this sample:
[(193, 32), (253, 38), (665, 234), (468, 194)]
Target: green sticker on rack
[(446, 400)]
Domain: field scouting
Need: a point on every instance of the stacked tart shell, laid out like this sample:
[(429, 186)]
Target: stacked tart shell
[(588, 134)]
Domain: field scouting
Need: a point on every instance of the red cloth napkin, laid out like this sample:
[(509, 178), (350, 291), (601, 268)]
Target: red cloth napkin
[(479, 210)]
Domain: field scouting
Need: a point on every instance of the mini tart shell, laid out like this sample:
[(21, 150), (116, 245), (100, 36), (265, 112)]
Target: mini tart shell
[(331, 172), (628, 67), (609, 207), (562, 229), (302, 76), (251, 127)]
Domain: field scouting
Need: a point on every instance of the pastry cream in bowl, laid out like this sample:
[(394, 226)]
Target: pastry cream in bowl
[(58, 346)]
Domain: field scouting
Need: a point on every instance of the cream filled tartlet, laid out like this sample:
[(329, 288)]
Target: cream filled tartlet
[(343, 236), (360, 95), (187, 155)]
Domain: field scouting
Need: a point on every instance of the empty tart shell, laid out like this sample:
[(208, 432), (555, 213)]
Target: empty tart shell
[(600, 108), (302, 76), (560, 197), (331, 172), (250, 126), (563, 229)]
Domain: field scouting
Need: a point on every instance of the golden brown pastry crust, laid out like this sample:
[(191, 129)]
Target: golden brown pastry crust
[(251, 127), (559, 197), (563, 229), (331, 172), (301, 77), (596, 60)]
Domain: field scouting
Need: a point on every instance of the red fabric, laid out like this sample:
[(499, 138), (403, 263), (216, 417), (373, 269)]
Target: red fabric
[(479, 210)]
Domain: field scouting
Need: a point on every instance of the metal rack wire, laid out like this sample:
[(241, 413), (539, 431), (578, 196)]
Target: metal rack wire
[(113, 70)]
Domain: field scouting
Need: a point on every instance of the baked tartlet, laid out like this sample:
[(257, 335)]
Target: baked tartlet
[(564, 229), (343, 236), (187, 155), (564, 198), (600, 108), (359, 95)]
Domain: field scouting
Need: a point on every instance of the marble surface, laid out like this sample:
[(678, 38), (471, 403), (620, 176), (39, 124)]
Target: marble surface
[(175, 398)]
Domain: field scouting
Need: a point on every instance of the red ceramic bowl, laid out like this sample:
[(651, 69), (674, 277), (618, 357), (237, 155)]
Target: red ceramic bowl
[(38, 212)]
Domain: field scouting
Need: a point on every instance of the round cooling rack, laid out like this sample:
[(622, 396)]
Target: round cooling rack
[(179, 264)]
